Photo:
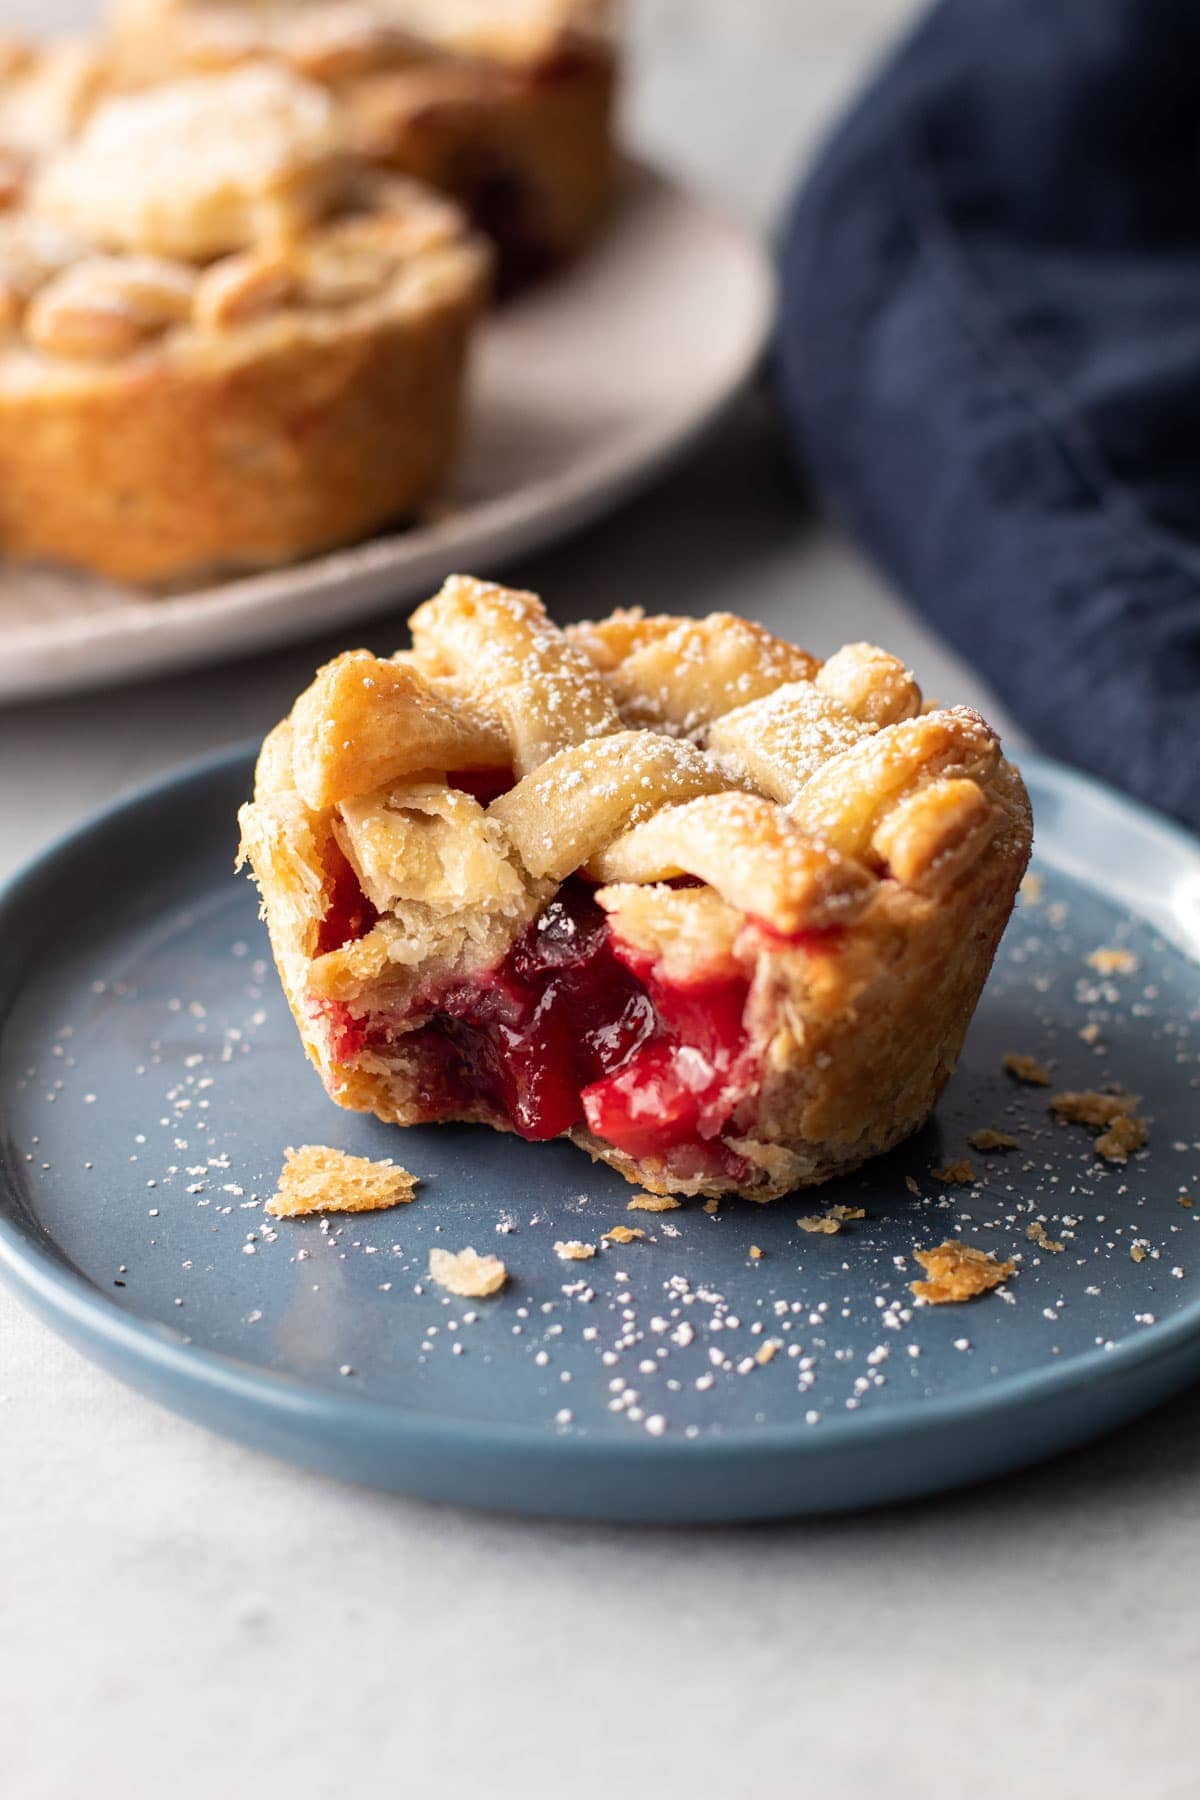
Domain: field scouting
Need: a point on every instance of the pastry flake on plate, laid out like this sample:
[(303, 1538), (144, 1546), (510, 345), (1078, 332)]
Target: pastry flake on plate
[(716, 911), (319, 1179)]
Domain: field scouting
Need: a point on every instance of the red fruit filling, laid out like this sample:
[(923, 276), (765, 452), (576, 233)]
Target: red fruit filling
[(484, 785), (349, 914), (575, 1028)]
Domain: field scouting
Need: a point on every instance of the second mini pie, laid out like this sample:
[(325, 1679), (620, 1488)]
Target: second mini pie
[(225, 345), (504, 104)]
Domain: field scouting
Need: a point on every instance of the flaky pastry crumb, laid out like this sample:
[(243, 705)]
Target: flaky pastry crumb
[(1027, 1069), (1125, 1135), (987, 1140), (1123, 1131), (318, 1179), (623, 1234), (573, 1250), (955, 1174), (958, 1271), (466, 1273)]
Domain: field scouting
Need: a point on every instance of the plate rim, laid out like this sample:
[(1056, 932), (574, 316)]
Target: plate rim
[(565, 501), (78, 1310)]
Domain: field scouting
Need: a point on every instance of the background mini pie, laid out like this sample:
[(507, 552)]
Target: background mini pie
[(224, 344), (46, 93), (504, 104), (671, 887)]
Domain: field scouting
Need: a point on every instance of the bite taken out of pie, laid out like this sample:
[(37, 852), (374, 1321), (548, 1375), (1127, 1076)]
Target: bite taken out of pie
[(671, 887)]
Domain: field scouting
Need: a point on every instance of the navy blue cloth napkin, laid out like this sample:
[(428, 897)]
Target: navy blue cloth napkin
[(990, 356)]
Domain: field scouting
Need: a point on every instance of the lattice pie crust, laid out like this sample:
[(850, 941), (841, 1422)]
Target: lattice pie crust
[(715, 910)]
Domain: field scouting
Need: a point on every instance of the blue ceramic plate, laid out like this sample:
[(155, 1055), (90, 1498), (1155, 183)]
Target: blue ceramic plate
[(150, 1079)]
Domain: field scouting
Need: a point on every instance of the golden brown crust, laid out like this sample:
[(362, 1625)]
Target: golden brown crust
[(165, 415), (506, 107), (863, 914), (47, 91), (389, 723)]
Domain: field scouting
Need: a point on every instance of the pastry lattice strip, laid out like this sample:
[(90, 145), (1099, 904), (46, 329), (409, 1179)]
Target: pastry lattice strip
[(781, 782)]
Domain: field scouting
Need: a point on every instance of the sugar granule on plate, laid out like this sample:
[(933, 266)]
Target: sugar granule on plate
[(958, 1271), (317, 1179), (466, 1273)]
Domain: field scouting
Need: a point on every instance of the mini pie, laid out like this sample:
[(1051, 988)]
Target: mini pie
[(671, 887), (46, 93), (223, 347), (504, 104)]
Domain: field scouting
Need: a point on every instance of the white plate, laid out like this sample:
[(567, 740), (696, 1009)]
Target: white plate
[(582, 390)]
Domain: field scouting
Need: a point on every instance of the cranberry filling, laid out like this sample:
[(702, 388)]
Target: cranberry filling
[(573, 1027), (484, 785), (557, 1014), (349, 914), (679, 1087)]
